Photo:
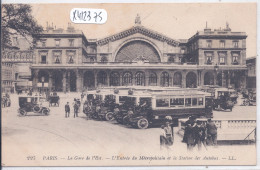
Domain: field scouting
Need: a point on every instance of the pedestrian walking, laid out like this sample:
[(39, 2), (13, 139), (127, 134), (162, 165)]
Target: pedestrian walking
[(169, 134), (199, 135), (67, 110), (212, 132), (76, 109)]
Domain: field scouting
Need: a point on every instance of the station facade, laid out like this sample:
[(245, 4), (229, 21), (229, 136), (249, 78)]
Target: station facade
[(65, 60)]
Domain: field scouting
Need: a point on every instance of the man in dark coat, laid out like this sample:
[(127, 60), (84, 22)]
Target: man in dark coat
[(67, 110), (199, 135), (76, 108)]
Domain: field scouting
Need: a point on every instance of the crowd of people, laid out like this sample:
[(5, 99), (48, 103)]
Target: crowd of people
[(196, 133)]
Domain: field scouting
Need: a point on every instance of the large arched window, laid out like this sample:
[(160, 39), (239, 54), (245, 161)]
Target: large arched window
[(209, 78), (114, 79), (102, 78), (137, 50), (191, 80), (152, 79), (139, 79), (177, 79), (127, 79), (165, 79)]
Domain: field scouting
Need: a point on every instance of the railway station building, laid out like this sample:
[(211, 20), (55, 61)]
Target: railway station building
[(66, 60)]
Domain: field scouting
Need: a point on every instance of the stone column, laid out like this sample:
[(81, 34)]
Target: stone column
[(146, 79), (158, 83), (79, 81), (35, 80), (223, 79), (120, 79), (108, 78), (68, 81), (133, 78), (50, 81), (64, 81), (228, 83), (95, 76), (183, 79), (215, 77)]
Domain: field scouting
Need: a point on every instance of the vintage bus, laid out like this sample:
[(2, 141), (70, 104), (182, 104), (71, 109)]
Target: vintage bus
[(172, 106)]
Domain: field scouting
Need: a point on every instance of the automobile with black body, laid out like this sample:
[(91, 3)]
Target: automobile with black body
[(32, 104)]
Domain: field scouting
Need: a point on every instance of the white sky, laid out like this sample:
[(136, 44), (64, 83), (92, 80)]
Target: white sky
[(175, 20)]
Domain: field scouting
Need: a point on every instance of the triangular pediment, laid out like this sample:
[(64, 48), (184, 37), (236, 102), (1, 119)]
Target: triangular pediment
[(141, 30)]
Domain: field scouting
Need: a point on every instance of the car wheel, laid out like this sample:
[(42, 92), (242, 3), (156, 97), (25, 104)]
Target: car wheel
[(45, 112), (22, 112), (142, 123), (36, 109), (109, 116)]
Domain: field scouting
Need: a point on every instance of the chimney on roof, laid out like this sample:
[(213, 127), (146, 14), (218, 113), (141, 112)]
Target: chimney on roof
[(48, 28), (206, 29)]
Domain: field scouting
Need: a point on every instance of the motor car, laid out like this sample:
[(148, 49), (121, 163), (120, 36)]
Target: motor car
[(32, 104)]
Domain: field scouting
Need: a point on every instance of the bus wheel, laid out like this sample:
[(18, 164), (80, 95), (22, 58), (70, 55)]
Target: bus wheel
[(142, 123), (22, 112), (109, 116)]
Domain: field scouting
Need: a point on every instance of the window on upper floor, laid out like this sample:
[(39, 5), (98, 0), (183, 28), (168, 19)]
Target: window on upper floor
[(235, 58), (209, 44), (222, 44), (43, 59), (171, 59), (235, 44), (103, 59), (43, 43), (57, 42), (222, 58), (57, 57), (182, 51), (71, 59), (208, 58), (71, 42)]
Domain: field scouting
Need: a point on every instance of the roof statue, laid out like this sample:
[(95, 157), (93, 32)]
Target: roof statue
[(138, 19)]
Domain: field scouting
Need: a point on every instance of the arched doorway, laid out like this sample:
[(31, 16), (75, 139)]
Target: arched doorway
[(114, 79), (57, 80), (191, 80), (139, 79), (208, 78), (127, 79), (89, 79), (177, 79), (72, 80), (102, 78), (152, 79), (165, 79)]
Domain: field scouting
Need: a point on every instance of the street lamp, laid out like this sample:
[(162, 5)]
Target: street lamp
[(216, 67)]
